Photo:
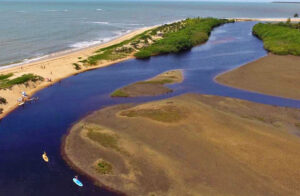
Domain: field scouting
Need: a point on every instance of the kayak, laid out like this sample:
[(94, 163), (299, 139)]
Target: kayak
[(46, 159), (22, 103), (77, 182)]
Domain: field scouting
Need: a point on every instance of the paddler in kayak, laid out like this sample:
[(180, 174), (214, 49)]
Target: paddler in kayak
[(46, 159)]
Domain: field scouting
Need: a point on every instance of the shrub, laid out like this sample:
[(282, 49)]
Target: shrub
[(281, 39), (181, 36), (76, 66), (104, 167), (3, 100), (20, 80)]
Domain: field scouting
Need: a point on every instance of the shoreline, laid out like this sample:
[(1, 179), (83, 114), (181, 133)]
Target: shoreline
[(58, 66)]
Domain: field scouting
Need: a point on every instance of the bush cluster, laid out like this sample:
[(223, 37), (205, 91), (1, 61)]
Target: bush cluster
[(279, 38)]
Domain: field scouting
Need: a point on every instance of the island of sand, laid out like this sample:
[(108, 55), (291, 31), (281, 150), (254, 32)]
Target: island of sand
[(152, 87), (273, 75), (190, 145)]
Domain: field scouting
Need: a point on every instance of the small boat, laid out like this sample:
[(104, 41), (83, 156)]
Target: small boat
[(46, 159), (77, 182), (21, 103)]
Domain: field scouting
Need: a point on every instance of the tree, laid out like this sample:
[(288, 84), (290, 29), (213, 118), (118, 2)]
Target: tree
[(296, 15), (288, 21)]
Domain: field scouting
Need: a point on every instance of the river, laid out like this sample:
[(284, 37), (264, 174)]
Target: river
[(38, 127)]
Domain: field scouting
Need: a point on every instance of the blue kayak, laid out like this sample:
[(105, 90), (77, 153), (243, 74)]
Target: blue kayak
[(77, 182)]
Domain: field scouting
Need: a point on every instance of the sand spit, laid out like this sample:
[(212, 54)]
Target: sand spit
[(273, 75), (190, 145)]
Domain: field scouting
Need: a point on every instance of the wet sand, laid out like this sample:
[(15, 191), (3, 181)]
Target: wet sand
[(191, 145), (273, 75), (57, 67)]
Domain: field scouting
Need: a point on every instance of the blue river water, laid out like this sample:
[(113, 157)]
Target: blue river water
[(38, 127)]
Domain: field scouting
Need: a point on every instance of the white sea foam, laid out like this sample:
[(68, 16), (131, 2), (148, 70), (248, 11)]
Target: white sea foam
[(65, 10), (25, 61), (100, 23), (99, 9)]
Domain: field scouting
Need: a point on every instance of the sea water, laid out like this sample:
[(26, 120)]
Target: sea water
[(32, 29)]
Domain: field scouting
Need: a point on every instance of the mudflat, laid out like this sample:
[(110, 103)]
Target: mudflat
[(190, 145), (152, 87), (273, 75)]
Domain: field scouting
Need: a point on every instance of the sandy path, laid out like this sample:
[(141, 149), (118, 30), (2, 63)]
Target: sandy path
[(57, 67)]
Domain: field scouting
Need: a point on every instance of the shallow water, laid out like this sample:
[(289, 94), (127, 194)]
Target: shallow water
[(28, 131), (30, 29)]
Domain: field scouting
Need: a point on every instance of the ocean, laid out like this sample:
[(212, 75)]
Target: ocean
[(31, 30)]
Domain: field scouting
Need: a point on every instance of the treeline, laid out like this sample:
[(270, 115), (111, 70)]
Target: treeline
[(279, 38), (181, 36)]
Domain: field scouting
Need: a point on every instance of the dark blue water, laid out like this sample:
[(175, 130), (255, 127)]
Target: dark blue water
[(28, 131)]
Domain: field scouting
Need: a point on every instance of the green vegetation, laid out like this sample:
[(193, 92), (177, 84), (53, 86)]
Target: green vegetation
[(5, 82), (3, 100), (76, 66), (181, 36), (175, 37), (104, 167), (119, 93), (163, 81), (1, 110), (104, 139), (279, 38), (167, 114), (5, 76)]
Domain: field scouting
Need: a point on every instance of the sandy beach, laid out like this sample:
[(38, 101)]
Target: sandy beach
[(56, 67), (273, 75)]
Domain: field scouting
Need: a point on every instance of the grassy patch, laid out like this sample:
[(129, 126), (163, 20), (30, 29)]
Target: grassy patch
[(181, 36), (6, 83), (5, 76), (119, 93), (175, 37), (1, 110), (163, 81), (279, 38), (104, 167), (104, 139), (164, 114), (3, 100), (76, 66)]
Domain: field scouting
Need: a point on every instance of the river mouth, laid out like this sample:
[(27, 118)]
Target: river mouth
[(30, 130)]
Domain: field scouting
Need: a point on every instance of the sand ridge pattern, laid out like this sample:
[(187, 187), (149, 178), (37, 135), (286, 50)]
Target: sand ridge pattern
[(210, 146)]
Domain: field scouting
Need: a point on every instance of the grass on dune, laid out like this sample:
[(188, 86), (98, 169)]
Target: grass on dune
[(181, 36), (119, 93), (169, 38), (5, 82), (279, 38)]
